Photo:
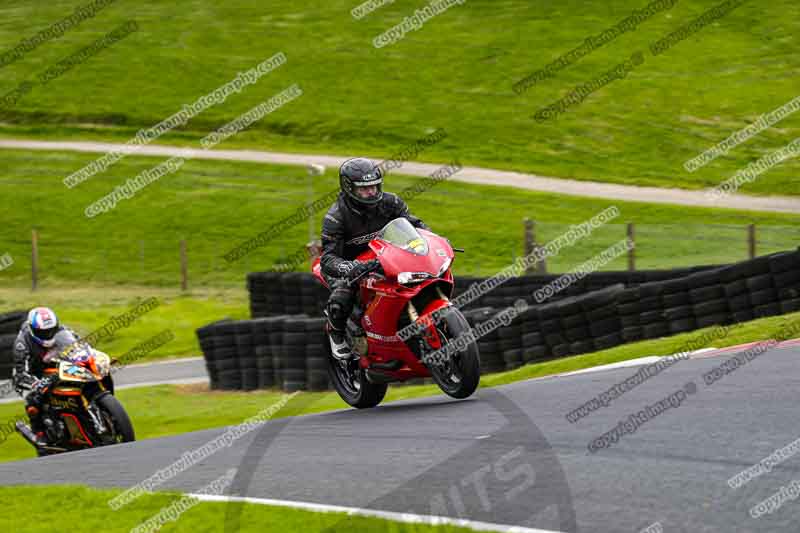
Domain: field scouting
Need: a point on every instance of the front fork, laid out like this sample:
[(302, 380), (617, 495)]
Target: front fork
[(97, 421), (94, 413), (429, 333)]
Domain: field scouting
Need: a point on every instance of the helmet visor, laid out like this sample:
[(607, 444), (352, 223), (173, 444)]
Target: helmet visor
[(367, 193), (45, 337), (45, 334)]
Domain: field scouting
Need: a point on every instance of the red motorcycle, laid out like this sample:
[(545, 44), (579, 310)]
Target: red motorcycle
[(401, 295)]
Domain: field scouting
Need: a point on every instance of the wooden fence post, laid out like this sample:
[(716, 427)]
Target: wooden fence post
[(314, 249), (184, 267), (632, 251), (528, 242), (34, 259), (541, 266)]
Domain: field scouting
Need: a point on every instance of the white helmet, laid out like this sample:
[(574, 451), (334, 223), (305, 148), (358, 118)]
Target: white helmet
[(44, 326)]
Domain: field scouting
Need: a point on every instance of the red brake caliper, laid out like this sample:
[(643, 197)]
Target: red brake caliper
[(430, 335)]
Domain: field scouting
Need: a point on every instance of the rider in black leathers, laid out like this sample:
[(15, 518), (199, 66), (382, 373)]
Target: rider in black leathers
[(41, 333), (359, 213)]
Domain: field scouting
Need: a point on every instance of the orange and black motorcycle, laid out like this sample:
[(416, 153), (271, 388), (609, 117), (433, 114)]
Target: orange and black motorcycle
[(80, 410)]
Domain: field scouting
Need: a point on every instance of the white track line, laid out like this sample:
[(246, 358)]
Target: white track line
[(632, 362), (408, 518), (166, 362), (184, 381), (613, 366)]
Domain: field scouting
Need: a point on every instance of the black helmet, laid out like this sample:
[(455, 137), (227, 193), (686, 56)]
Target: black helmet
[(361, 172)]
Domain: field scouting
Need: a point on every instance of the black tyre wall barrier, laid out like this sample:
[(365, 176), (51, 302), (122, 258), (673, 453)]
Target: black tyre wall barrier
[(6, 355), (9, 328), (287, 349), (290, 293)]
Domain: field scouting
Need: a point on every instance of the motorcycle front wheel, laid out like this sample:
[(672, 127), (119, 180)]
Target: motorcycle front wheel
[(115, 415), (459, 375)]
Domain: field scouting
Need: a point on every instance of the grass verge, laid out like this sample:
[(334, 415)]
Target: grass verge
[(87, 308), (24, 502), (216, 205), (637, 130)]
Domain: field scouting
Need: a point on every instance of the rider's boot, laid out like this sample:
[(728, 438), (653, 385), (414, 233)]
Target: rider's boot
[(33, 410), (339, 307), (37, 436), (38, 429), (40, 438), (339, 348)]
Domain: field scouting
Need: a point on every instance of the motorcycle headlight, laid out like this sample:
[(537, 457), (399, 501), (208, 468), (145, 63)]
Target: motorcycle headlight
[(445, 266), (103, 363), (407, 278), (72, 372)]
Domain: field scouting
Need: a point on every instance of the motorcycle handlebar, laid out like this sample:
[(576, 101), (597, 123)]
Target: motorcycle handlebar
[(369, 271)]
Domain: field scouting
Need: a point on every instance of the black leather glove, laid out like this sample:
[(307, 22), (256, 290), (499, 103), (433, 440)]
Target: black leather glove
[(345, 267), (23, 382), (39, 388), (36, 395), (361, 267)]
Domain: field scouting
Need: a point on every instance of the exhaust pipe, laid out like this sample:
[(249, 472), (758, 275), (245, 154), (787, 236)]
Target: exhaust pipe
[(395, 364), (28, 435), (377, 377)]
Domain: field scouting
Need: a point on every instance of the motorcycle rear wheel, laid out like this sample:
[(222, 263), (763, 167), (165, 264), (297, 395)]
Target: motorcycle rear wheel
[(459, 377), (352, 385)]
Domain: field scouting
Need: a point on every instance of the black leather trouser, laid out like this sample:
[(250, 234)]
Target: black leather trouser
[(340, 302), (34, 399)]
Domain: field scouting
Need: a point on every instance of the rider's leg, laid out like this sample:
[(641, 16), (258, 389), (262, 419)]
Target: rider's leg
[(33, 408), (340, 305)]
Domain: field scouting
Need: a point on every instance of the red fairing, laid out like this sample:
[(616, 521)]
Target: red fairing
[(316, 270), (385, 299), (395, 260)]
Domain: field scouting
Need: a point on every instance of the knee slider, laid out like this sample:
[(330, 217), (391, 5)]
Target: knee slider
[(336, 313), (340, 304), (341, 296)]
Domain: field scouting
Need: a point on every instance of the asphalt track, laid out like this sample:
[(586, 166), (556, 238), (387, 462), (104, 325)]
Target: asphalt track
[(508, 455)]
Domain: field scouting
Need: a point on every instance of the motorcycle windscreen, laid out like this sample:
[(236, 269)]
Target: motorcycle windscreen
[(402, 234)]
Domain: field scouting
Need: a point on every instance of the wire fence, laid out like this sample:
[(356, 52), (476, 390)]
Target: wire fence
[(200, 262), (658, 246)]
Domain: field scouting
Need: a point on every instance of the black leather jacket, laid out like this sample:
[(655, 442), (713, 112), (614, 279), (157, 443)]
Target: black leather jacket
[(347, 229), (28, 355)]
